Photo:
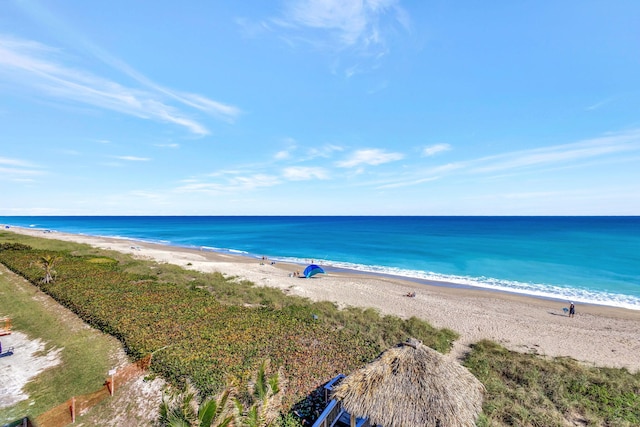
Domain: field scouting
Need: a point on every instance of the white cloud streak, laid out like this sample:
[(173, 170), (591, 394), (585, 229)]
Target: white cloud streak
[(358, 25), (372, 157), (586, 153), (348, 18), (29, 64), (324, 151), (304, 173), (15, 162), (231, 184), (282, 155), (435, 149), (132, 158), (13, 172), (566, 153), (18, 170)]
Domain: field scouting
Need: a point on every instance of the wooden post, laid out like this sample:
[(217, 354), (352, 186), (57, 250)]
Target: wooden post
[(111, 383), (6, 327), (73, 410), (353, 420)]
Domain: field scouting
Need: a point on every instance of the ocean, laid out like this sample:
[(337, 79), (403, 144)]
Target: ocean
[(593, 260)]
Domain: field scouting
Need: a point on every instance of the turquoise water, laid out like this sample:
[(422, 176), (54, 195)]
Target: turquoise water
[(583, 259)]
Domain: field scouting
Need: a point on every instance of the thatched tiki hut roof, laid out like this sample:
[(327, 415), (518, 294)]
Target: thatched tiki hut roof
[(412, 385)]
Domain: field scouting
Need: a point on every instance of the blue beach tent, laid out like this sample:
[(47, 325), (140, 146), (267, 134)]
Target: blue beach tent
[(312, 270)]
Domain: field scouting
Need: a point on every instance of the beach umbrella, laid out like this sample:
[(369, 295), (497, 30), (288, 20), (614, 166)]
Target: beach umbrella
[(412, 385), (312, 270)]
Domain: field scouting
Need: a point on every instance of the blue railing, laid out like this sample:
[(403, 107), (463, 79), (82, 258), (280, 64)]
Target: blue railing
[(333, 411)]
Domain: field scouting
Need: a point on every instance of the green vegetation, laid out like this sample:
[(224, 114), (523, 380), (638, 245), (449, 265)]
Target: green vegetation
[(248, 405), (86, 355), (211, 331), (528, 390), (186, 409), (199, 332)]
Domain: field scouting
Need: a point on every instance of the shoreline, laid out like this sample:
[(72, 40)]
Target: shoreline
[(561, 293), (599, 335)]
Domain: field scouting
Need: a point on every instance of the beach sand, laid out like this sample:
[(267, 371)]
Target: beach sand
[(597, 335)]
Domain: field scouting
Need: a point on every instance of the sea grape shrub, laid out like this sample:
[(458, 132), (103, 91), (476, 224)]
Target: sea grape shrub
[(14, 247), (191, 335)]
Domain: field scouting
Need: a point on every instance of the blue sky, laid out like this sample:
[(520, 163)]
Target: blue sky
[(309, 107)]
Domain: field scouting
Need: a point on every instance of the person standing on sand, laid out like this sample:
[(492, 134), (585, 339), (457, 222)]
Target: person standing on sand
[(572, 309)]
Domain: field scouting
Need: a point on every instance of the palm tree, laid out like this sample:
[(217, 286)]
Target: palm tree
[(185, 410), (258, 407), (263, 403), (47, 262)]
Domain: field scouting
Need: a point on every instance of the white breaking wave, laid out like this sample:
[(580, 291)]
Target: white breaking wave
[(562, 293)]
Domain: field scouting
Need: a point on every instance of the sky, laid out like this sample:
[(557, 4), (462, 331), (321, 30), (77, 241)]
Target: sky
[(319, 107)]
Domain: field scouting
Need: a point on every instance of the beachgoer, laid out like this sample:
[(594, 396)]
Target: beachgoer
[(572, 310)]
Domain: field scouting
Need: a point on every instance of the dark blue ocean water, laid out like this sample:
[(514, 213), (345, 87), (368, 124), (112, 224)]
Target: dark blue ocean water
[(583, 259)]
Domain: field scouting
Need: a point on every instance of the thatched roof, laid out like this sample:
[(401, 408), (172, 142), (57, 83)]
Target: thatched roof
[(412, 385)]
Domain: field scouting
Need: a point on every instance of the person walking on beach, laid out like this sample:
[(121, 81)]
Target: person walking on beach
[(572, 309)]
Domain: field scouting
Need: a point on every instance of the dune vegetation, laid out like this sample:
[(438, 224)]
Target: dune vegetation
[(209, 331)]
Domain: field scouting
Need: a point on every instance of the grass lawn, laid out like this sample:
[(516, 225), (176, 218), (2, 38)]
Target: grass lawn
[(87, 355)]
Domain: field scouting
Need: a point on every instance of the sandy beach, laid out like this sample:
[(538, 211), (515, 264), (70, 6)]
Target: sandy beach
[(597, 335)]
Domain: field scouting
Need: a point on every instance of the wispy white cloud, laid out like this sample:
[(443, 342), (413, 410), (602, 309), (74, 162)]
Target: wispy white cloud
[(586, 153), (599, 104), (147, 195), (71, 152), (218, 109), (170, 145), (533, 194), (412, 178), (372, 157), (223, 111), (291, 146), (18, 170), (352, 21), (254, 181), (361, 27), (400, 184), (324, 151), (251, 28), (566, 153), (435, 149), (15, 162), (132, 158), (14, 172), (282, 155), (299, 173), (38, 67), (66, 31), (231, 184)]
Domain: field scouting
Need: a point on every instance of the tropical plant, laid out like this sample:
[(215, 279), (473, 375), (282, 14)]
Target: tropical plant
[(47, 262), (185, 410), (255, 405), (260, 406)]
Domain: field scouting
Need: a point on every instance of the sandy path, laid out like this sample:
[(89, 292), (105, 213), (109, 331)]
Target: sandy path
[(598, 335)]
